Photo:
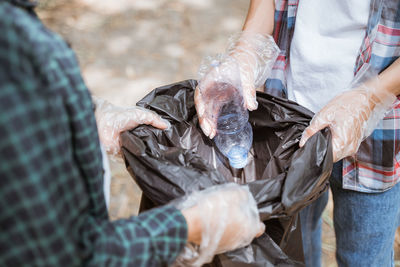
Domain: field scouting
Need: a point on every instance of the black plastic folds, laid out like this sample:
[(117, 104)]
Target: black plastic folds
[(282, 177)]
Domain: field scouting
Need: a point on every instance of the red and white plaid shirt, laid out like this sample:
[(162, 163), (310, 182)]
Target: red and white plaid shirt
[(375, 167)]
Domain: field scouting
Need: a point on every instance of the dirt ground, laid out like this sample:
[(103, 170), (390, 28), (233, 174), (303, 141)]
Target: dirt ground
[(128, 47)]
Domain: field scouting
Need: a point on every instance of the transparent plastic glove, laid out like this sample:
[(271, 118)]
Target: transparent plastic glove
[(225, 216), (112, 120), (351, 116), (245, 65)]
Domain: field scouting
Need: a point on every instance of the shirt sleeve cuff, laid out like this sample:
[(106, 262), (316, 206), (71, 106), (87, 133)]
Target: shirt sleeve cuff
[(168, 230)]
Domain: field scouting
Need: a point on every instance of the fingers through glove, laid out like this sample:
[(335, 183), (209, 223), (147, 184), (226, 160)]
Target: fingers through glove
[(351, 117), (112, 120), (244, 67), (228, 218)]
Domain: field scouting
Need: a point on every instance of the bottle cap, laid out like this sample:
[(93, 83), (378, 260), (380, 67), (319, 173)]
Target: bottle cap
[(237, 157)]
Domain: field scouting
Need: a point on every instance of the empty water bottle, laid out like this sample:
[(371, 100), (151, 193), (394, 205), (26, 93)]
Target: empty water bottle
[(234, 134), (221, 91), (244, 67)]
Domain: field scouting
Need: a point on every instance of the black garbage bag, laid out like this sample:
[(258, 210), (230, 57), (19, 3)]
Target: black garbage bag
[(282, 177)]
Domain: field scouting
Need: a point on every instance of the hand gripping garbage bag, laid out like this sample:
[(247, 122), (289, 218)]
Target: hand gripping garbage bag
[(282, 177)]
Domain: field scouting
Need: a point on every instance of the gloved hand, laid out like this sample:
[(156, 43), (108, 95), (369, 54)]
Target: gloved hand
[(220, 218), (112, 120), (245, 65), (351, 117)]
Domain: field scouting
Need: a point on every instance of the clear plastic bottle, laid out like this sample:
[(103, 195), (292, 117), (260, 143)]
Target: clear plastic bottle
[(221, 90), (234, 133)]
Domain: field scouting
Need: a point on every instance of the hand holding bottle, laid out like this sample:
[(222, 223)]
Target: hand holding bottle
[(245, 66)]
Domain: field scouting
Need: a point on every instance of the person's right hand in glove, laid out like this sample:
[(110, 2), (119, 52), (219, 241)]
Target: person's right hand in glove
[(220, 218), (245, 66)]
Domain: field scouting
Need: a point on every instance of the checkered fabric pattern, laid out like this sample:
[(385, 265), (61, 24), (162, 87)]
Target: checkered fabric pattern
[(52, 208), (376, 167)]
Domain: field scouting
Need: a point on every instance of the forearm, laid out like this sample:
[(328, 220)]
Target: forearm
[(390, 78), (154, 238), (260, 17), (382, 91)]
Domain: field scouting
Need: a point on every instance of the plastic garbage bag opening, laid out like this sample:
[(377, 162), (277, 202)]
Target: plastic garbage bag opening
[(282, 177)]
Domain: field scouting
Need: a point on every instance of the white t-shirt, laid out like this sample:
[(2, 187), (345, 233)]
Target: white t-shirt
[(327, 37)]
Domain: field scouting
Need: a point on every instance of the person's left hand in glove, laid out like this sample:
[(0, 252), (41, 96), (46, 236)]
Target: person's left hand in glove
[(112, 120), (353, 115), (220, 218)]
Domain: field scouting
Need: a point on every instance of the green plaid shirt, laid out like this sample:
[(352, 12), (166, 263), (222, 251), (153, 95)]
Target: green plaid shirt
[(52, 208)]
